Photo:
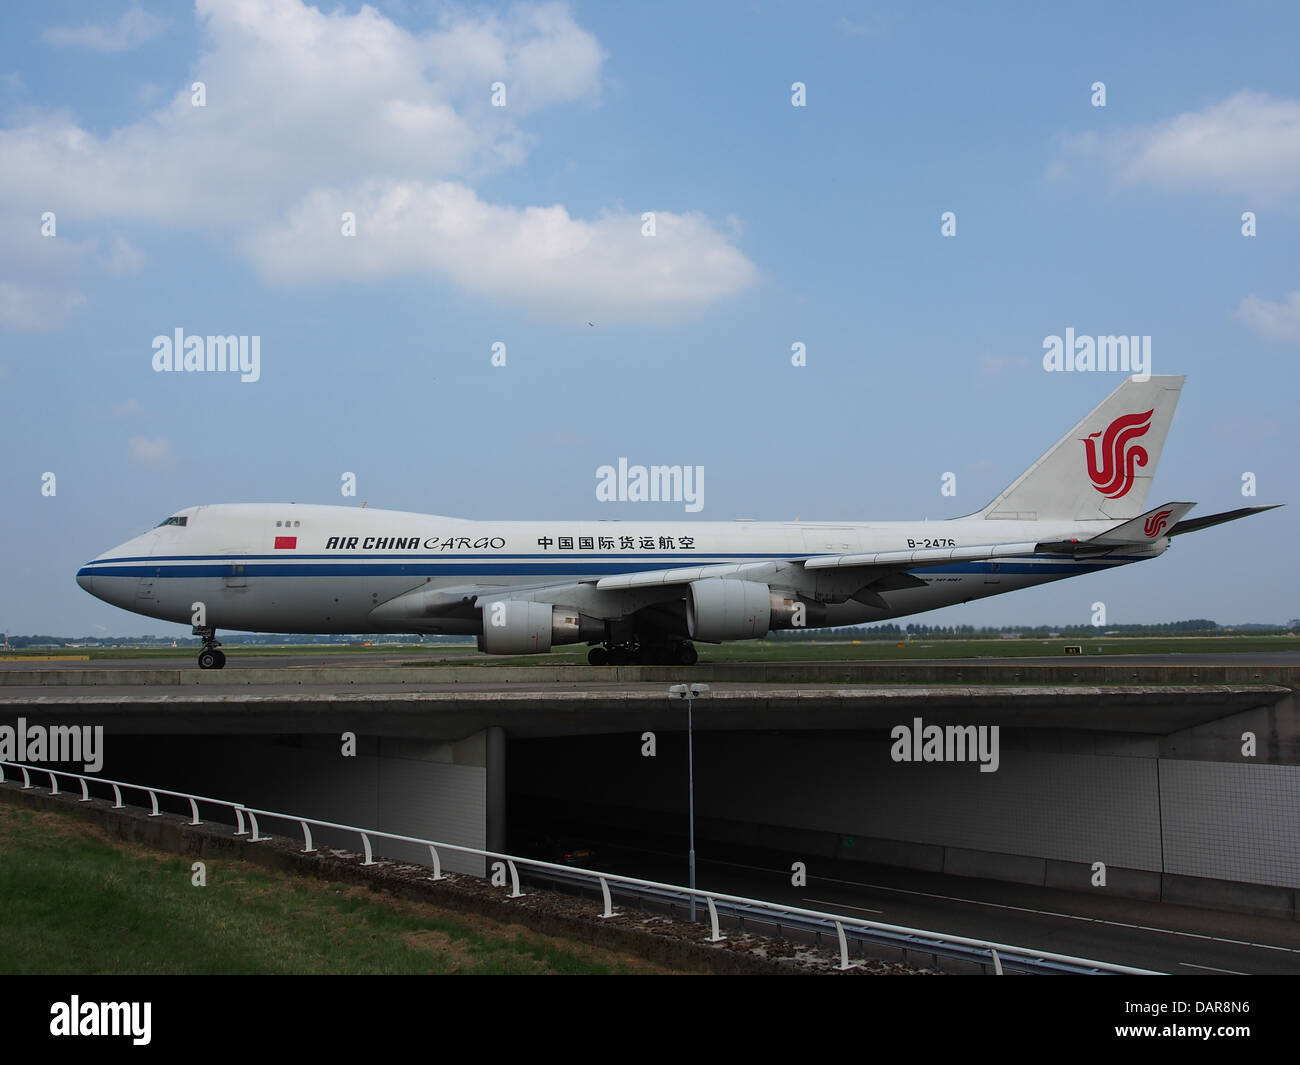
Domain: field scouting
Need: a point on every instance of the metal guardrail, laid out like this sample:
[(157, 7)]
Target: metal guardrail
[(118, 785), (978, 951)]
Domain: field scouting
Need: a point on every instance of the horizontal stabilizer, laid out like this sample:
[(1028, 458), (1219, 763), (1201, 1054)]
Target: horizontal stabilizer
[(1193, 524), (1145, 527)]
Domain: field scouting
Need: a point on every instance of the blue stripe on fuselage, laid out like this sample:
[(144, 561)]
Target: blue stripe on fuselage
[(428, 554), (529, 565)]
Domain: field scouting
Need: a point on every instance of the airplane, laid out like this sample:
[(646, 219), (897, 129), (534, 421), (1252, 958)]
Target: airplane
[(641, 591)]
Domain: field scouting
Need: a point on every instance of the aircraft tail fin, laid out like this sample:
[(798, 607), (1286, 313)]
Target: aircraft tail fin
[(1101, 470)]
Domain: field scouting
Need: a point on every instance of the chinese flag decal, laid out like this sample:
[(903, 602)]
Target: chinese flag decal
[(286, 542)]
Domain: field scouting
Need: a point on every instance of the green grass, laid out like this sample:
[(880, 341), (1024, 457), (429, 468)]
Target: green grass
[(279, 650), (756, 651), (929, 647), (245, 650), (74, 901), (775, 651)]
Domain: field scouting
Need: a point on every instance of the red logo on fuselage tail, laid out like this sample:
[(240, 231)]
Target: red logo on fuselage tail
[(1119, 455), (1156, 522)]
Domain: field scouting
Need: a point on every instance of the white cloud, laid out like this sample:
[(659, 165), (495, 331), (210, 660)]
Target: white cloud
[(1247, 145), (133, 28), (297, 98), (156, 454), (39, 276), (538, 256), (537, 51), (310, 113), (24, 306), (128, 408), (122, 258), (1277, 321)]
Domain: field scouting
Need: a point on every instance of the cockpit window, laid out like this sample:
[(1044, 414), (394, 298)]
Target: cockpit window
[(181, 521)]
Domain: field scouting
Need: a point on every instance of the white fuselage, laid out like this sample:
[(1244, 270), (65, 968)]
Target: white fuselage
[(327, 569)]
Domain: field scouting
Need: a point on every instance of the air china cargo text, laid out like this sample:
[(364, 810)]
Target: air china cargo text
[(412, 543)]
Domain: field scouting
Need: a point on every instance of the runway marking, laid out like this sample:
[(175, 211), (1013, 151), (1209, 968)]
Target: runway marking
[(1212, 969), (842, 906)]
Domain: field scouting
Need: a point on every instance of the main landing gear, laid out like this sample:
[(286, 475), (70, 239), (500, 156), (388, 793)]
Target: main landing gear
[(209, 657), (680, 653)]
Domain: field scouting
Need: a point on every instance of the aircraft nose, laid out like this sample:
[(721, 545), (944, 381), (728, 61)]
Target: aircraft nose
[(86, 580)]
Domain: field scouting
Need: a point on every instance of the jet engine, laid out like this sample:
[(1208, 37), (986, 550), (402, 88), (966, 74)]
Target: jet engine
[(791, 612), (720, 608), (519, 627)]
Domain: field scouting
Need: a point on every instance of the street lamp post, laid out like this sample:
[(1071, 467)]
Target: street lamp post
[(690, 693)]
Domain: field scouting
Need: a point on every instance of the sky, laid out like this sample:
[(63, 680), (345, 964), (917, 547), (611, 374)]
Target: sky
[(641, 208)]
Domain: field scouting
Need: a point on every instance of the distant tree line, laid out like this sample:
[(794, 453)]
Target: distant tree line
[(892, 631), (886, 631), (227, 639)]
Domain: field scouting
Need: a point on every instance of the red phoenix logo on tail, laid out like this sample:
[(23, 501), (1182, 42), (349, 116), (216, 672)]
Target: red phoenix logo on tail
[(1156, 522), (1119, 455)]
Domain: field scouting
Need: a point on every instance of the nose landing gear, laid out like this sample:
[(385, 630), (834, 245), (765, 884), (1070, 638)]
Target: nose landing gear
[(209, 656)]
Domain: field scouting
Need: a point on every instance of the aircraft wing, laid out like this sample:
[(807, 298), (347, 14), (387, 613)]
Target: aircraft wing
[(458, 602), (1166, 520), (892, 560), (1144, 529), (1193, 524)]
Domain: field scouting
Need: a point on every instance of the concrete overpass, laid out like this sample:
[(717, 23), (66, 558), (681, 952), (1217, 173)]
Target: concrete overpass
[(1137, 766)]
